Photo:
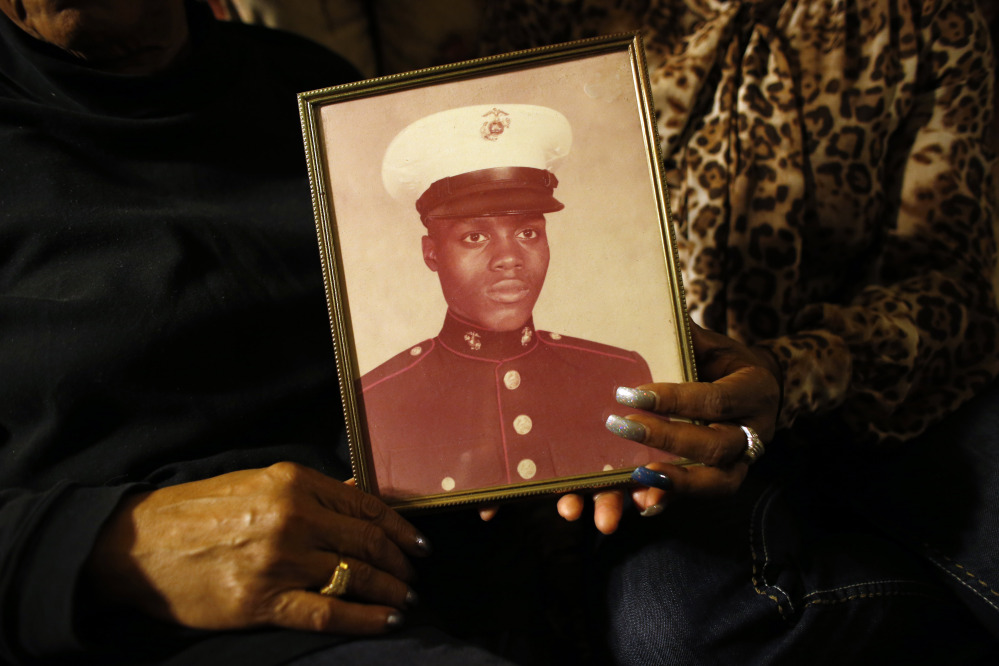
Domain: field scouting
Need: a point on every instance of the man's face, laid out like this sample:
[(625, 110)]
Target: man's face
[(491, 268)]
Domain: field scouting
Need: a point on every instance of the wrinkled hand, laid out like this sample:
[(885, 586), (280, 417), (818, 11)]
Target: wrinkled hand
[(252, 548), (738, 386)]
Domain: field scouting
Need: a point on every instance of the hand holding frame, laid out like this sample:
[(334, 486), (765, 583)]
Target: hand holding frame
[(253, 548), (738, 387)]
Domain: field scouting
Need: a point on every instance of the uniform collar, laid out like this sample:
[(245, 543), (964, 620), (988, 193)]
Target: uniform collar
[(467, 339)]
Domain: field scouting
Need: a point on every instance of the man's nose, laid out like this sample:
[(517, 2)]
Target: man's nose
[(507, 253)]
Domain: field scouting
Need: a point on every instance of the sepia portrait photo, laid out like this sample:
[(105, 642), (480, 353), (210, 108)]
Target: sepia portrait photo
[(498, 254)]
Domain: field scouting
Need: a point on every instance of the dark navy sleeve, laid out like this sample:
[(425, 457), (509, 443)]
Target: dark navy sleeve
[(162, 314), (46, 539)]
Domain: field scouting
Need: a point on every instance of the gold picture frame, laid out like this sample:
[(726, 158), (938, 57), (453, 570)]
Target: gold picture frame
[(438, 415)]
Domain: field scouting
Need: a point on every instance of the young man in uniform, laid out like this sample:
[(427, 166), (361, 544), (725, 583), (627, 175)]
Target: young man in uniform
[(491, 400)]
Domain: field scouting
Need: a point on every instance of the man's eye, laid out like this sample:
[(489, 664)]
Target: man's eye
[(474, 237), (528, 233)]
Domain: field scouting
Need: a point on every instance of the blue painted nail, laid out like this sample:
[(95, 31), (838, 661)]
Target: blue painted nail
[(637, 398), (622, 427), (650, 477)]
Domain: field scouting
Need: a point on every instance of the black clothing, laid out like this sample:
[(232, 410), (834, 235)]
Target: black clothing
[(161, 301), (163, 320)]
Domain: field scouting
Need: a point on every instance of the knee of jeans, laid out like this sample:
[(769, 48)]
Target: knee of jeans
[(649, 603)]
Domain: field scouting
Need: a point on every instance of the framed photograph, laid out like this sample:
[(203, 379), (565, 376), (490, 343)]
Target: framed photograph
[(499, 257)]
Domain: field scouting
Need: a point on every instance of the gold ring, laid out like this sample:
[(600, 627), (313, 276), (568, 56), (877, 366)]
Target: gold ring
[(754, 445), (338, 581)]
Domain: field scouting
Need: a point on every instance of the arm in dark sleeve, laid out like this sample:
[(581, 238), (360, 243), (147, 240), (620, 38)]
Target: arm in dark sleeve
[(46, 539)]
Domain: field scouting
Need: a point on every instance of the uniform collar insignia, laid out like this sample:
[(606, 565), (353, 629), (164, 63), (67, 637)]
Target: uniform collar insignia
[(474, 340), (463, 337)]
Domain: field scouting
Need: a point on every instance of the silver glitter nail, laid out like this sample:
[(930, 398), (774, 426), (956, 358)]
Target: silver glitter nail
[(653, 510), (622, 427), (637, 398)]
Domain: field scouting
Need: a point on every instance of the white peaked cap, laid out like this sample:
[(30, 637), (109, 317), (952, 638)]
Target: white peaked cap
[(503, 138)]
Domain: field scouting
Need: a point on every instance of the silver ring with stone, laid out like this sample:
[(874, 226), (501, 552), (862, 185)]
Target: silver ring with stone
[(754, 445)]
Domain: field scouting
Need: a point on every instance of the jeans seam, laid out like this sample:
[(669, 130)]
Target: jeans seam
[(758, 570), (862, 591), (933, 555), (868, 595), (889, 581)]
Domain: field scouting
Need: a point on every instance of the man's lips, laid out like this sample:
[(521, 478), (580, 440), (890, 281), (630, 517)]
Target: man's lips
[(508, 291)]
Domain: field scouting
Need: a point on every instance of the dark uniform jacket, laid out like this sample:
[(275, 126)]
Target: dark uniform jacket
[(472, 408)]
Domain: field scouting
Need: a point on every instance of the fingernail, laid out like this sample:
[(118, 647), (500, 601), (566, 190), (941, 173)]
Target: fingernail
[(637, 398), (394, 620), (412, 598), (622, 427), (653, 510), (650, 477), (423, 544)]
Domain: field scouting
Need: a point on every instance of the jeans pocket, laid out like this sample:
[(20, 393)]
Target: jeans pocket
[(802, 559)]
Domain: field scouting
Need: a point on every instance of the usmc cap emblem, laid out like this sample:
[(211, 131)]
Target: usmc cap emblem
[(499, 121)]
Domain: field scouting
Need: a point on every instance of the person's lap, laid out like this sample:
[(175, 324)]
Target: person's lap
[(829, 565), (422, 646), (825, 566), (942, 501), (708, 592)]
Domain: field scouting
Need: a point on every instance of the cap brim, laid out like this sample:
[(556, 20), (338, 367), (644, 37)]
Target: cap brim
[(504, 201), (487, 192)]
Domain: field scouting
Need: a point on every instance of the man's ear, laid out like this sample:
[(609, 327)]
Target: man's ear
[(430, 253)]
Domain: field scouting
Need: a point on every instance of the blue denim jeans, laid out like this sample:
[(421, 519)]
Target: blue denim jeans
[(829, 554)]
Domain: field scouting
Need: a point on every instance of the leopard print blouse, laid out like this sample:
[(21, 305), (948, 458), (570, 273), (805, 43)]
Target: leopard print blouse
[(831, 180)]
